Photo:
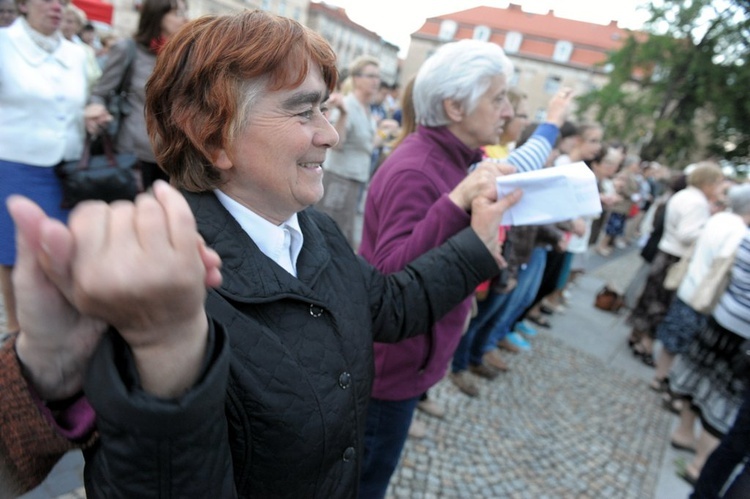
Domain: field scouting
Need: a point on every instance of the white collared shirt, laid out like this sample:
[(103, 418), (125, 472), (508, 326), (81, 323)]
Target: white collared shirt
[(281, 243)]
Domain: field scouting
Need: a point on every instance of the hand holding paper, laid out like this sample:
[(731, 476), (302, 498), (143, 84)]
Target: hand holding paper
[(551, 195)]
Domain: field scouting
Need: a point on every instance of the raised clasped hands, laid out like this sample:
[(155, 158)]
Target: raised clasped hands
[(477, 194), (140, 267)]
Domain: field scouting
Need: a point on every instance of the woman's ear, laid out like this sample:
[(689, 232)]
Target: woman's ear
[(454, 110), (221, 159)]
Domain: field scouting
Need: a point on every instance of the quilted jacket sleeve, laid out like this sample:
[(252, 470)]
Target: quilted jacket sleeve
[(407, 303), (152, 447)]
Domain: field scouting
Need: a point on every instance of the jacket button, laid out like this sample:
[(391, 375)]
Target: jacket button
[(315, 310), (349, 454), (345, 380)]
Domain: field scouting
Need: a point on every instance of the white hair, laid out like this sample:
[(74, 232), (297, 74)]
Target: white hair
[(460, 71), (738, 199)]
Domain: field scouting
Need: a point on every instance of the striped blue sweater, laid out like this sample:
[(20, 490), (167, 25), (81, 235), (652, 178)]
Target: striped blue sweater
[(733, 309)]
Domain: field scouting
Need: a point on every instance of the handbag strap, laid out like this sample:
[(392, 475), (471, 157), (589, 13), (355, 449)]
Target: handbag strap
[(109, 151)]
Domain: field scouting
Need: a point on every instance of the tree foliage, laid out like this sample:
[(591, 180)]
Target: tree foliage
[(682, 79)]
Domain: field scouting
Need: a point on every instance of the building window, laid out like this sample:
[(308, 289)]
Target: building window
[(297, 13), (552, 84), (482, 33), (513, 42), (447, 30), (515, 78), (563, 51), (265, 5), (282, 8), (540, 115)]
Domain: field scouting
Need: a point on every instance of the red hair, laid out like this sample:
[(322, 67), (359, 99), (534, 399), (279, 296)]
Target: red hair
[(208, 75)]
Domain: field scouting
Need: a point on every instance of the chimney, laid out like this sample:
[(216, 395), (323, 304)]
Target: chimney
[(551, 13), (514, 6)]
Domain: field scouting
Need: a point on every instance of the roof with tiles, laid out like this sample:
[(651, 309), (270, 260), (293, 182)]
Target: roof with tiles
[(591, 42), (339, 14)]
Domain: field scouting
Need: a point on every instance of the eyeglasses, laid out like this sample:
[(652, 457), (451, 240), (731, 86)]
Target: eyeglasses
[(368, 75)]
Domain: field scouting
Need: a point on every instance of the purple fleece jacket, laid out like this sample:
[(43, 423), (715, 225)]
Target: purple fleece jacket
[(408, 213)]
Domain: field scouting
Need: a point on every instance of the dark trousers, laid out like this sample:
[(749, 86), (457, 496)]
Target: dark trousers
[(386, 429), (733, 449)]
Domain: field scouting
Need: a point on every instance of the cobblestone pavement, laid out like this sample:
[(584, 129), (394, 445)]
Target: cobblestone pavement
[(560, 424), (573, 418)]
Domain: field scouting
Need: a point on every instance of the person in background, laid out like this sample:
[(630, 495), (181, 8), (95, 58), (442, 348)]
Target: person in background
[(159, 20), (604, 165), (584, 145), (706, 376), (628, 187), (349, 163), (722, 463), (73, 21), (88, 36), (8, 13), (475, 352), (108, 40), (685, 214), (417, 200), (43, 86), (505, 301), (718, 240), (259, 386)]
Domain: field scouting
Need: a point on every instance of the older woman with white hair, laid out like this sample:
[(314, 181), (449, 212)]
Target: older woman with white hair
[(416, 201)]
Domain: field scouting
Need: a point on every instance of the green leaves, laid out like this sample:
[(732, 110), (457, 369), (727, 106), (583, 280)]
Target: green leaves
[(679, 93)]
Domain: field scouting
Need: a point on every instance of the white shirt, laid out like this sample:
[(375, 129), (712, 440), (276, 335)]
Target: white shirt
[(687, 212), (42, 96), (720, 237), (281, 243)]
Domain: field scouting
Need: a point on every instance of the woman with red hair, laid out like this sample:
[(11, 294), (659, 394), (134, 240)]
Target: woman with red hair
[(259, 386)]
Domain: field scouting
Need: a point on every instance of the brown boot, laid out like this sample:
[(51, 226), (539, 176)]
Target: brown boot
[(483, 371), (464, 383), (493, 359), (429, 406)]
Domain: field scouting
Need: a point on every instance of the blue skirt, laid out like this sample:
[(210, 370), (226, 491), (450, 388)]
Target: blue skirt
[(680, 326), (41, 185)]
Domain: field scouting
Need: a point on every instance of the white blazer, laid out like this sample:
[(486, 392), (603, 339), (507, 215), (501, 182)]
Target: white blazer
[(42, 97)]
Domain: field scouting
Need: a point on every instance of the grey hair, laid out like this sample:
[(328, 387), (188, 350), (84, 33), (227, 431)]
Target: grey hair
[(460, 71), (738, 199)]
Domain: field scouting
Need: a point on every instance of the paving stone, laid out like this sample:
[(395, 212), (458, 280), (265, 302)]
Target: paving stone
[(561, 420)]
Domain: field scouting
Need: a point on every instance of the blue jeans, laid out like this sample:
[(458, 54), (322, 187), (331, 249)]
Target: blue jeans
[(469, 349), (522, 296), (386, 428)]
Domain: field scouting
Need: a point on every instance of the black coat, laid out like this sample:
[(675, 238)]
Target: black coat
[(288, 419)]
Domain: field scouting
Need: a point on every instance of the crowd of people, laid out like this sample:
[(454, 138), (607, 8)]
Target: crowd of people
[(326, 254)]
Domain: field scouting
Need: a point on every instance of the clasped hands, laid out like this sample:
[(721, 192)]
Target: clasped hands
[(477, 194), (140, 267)]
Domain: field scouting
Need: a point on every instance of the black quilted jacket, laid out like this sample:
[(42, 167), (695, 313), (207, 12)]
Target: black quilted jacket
[(288, 418)]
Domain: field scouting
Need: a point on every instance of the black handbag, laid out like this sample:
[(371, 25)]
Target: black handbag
[(106, 177)]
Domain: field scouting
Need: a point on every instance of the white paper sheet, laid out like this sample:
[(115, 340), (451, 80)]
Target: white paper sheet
[(551, 195)]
